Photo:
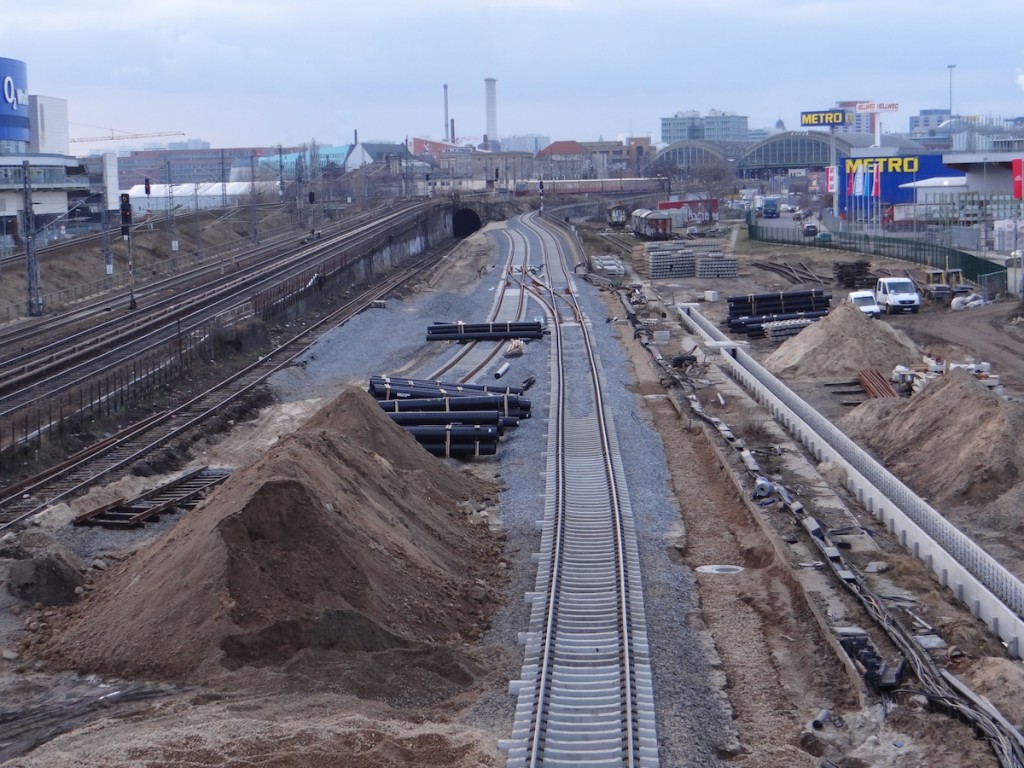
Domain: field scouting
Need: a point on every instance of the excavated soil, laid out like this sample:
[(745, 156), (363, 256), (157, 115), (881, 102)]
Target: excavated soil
[(314, 547), (312, 571), (841, 344), (957, 443)]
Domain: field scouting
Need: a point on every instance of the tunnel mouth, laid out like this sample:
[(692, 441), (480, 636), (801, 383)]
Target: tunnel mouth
[(465, 222)]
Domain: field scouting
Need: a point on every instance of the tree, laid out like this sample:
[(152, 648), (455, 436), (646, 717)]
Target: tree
[(710, 180)]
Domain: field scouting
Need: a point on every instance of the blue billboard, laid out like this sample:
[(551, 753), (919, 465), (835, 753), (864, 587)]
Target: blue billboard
[(866, 182), (13, 100)]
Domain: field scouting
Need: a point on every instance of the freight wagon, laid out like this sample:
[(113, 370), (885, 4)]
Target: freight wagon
[(617, 216), (652, 225)]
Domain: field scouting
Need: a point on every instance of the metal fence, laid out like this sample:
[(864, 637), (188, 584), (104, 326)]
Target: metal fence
[(993, 285), (926, 254)]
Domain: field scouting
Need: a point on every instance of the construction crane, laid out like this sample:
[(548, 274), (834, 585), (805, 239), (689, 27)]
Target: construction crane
[(116, 136)]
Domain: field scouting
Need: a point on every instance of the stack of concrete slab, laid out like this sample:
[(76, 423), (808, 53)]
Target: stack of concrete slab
[(714, 264), (684, 258), (780, 330)]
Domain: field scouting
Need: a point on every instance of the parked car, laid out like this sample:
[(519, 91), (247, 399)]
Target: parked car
[(797, 216), (823, 237), (810, 230)]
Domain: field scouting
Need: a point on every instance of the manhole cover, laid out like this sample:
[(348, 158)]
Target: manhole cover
[(720, 568)]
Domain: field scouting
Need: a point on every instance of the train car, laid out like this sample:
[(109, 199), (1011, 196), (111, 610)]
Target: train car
[(652, 225), (618, 215), (553, 187)]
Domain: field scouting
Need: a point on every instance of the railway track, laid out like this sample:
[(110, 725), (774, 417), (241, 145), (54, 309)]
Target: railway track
[(88, 357), (585, 696), (474, 357), (100, 462)]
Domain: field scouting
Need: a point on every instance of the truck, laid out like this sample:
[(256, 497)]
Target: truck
[(771, 208), (897, 294), (865, 302)]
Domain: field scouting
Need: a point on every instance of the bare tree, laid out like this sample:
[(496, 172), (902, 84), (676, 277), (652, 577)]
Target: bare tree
[(710, 180)]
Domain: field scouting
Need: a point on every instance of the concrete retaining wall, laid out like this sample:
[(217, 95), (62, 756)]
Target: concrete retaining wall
[(994, 595)]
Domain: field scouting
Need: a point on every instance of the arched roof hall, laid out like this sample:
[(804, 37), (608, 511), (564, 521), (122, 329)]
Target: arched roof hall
[(789, 149)]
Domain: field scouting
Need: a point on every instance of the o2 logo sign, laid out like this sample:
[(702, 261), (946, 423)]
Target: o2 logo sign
[(13, 96)]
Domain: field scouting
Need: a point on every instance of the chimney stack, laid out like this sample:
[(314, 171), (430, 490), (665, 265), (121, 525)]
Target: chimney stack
[(492, 108)]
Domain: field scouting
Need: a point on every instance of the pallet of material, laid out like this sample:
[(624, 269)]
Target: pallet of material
[(852, 274), (685, 258), (780, 330), (875, 384), (715, 265)]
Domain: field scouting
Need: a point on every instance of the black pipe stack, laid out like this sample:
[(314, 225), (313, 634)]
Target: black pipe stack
[(451, 419), (459, 331), (747, 314)]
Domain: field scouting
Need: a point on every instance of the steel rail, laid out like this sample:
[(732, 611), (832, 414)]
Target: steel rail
[(153, 333), (94, 466), (469, 354), (584, 699)]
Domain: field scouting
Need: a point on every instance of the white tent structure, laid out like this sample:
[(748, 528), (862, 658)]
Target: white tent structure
[(189, 197)]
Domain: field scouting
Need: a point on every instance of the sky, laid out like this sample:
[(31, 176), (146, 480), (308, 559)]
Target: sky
[(242, 73)]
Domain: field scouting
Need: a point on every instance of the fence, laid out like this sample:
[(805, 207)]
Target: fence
[(926, 254), (76, 412)]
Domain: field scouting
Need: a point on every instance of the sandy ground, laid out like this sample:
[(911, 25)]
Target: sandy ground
[(778, 671)]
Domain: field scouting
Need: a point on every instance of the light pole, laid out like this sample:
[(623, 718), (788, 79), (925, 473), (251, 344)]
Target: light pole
[(951, 67)]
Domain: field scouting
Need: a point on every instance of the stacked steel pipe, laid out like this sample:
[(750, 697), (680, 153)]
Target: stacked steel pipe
[(459, 331), (451, 419), (748, 314)]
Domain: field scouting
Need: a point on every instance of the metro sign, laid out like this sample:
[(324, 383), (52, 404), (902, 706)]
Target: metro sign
[(878, 106)]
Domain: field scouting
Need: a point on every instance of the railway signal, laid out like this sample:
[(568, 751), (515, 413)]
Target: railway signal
[(126, 234), (126, 216)]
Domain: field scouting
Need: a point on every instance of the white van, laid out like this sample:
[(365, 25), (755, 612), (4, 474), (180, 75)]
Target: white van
[(897, 294), (865, 302)]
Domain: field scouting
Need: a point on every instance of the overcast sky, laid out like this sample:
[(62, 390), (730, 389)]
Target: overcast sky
[(241, 73)]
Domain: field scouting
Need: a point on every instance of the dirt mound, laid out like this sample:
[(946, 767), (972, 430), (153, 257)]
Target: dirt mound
[(283, 731), (954, 443), (316, 547), (842, 343)]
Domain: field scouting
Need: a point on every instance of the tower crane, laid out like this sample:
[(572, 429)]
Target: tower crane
[(117, 136)]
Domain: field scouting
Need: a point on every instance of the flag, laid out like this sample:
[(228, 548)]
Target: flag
[(876, 186), (858, 181), (1017, 164), (849, 184)]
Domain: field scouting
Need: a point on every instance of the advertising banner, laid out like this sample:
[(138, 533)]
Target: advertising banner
[(867, 182), (14, 123)]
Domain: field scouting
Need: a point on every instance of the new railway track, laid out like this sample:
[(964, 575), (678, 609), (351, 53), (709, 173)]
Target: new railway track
[(585, 696)]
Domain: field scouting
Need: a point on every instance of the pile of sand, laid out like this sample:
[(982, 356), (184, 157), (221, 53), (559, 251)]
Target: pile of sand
[(840, 344), (954, 443), (344, 538)]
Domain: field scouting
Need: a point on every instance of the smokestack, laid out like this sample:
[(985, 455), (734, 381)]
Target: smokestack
[(355, 136), (446, 111), (453, 131), (492, 108)]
